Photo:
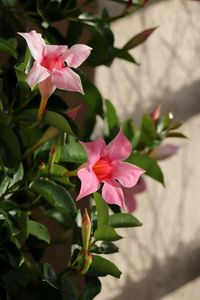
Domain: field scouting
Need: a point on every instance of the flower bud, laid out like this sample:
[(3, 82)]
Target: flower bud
[(86, 230)]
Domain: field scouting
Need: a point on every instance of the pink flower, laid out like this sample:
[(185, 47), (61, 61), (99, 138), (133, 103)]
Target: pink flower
[(52, 66), (105, 166), (129, 194), (164, 151)]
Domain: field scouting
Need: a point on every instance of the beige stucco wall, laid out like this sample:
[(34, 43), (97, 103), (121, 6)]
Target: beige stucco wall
[(163, 255)]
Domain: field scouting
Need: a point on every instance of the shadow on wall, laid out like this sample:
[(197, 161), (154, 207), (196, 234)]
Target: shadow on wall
[(184, 104), (163, 278)]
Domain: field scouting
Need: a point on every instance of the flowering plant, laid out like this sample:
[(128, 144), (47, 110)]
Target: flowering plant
[(48, 163)]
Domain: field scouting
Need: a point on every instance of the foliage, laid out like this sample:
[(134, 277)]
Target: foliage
[(39, 160)]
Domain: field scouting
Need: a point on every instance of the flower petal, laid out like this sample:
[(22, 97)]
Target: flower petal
[(89, 183), (120, 147), (94, 150), (46, 88), (37, 74), (130, 200), (35, 43), (57, 50), (126, 173), (68, 80), (77, 54), (112, 193)]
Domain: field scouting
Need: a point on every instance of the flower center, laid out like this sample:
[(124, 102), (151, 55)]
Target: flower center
[(52, 61), (102, 169)]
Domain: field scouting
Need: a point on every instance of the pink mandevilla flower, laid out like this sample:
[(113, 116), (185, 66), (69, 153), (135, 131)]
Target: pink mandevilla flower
[(53, 63), (105, 165)]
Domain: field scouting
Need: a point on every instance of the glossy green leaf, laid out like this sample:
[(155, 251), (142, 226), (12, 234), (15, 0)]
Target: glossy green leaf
[(49, 275), (101, 267), (92, 288), (107, 247), (102, 210), (139, 39), (56, 195), (122, 220), (73, 151), (106, 233), (39, 231), (51, 118), (8, 46), (149, 164), (112, 119), (125, 55), (5, 119)]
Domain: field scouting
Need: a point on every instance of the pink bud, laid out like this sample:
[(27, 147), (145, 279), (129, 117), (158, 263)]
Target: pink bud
[(86, 230), (155, 114)]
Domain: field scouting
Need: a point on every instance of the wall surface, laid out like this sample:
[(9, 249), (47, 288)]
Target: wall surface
[(161, 260)]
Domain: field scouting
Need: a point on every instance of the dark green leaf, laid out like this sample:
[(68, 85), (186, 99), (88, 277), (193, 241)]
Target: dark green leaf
[(125, 55), (39, 231), (92, 288), (112, 119), (56, 195), (149, 164), (51, 118), (107, 247), (8, 46), (49, 275), (121, 220), (67, 288), (102, 267), (10, 151), (177, 135)]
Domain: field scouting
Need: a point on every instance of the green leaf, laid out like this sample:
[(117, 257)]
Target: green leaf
[(51, 118), (102, 210), (101, 267), (5, 119), (125, 55), (177, 135), (39, 231), (49, 275), (148, 130), (121, 220), (10, 151), (8, 46), (107, 247), (67, 288), (149, 164), (138, 39), (106, 233), (8, 205), (92, 288), (56, 195), (112, 119), (22, 221), (73, 151)]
